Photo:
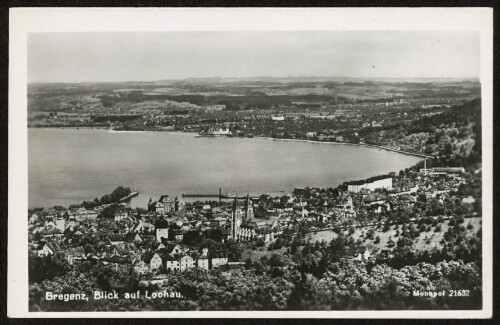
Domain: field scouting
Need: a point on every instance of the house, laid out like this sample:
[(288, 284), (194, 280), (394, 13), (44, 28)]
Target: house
[(148, 239), (50, 248), (33, 218), (385, 253), (72, 222), (202, 261), (173, 249), (372, 186), (374, 198), (468, 200), (118, 263), (140, 267), (75, 255), (133, 237), (116, 238), (171, 263), (178, 235), (218, 259), (361, 253), (165, 205), (123, 249), (51, 232), (60, 224), (186, 262), (218, 221), (143, 226), (161, 230), (83, 214), (154, 262), (120, 215)]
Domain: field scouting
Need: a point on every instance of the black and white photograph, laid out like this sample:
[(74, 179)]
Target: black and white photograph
[(252, 170)]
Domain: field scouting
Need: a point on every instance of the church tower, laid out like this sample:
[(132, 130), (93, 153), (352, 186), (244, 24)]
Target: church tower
[(236, 218), (248, 208)]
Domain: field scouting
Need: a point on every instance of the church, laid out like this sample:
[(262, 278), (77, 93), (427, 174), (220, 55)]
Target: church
[(245, 228)]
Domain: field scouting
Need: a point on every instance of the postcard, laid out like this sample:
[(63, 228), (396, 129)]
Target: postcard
[(257, 163)]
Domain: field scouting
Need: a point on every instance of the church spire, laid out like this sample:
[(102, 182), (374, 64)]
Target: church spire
[(235, 203)]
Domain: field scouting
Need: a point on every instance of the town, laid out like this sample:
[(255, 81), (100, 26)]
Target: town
[(171, 236), (358, 112), (415, 222)]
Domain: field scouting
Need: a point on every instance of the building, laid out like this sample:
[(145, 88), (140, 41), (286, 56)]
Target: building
[(236, 219), (371, 186), (60, 224), (186, 262), (161, 230), (449, 170), (361, 253), (165, 204), (374, 198), (211, 108), (140, 267), (218, 259), (83, 214), (248, 208), (120, 215), (33, 218), (173, 249), (143, 226), (171, 263), (50, 248), (75, 255), (442, 170), (202, 260), (278, 118), (155, 262), (221, 131)]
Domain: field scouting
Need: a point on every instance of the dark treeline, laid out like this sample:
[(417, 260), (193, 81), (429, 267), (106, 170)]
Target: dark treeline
[(118, 193)]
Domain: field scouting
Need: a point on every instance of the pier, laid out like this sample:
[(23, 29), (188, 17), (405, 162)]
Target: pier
[(128, 197), (216, 196)]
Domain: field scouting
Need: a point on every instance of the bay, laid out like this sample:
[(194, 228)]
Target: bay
[(67, 166)]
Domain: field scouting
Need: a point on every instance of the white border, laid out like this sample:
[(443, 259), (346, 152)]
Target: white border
[(25, 20)]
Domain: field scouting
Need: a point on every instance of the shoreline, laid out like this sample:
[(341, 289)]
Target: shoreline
[(351, 144), (111, 130)]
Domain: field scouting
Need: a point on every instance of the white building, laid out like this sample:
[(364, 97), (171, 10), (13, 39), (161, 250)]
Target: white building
[(161, 233), (155, 262), (186, 262), (221, 131), (371, 186), (120, 215), (215, 107)]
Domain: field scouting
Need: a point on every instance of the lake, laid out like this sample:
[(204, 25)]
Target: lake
[(67, 166)]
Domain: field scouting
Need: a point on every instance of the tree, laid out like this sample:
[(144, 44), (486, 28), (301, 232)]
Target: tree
[(276, 260)]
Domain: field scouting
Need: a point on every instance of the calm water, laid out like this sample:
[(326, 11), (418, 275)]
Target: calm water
[(69, 166)]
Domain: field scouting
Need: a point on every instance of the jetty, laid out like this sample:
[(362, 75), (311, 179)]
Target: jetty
[(128, 197)]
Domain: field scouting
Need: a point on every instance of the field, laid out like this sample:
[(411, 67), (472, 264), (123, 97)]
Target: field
[(426, 240)]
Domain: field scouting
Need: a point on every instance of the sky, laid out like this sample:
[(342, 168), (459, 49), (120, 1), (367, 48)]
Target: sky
[(149, 56)]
